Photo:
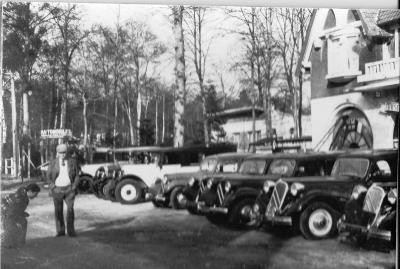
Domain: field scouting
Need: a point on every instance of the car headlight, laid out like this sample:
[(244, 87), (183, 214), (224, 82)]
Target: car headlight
[(295, 188), (209, 183), (164, 179), (268, 185), (357, 191), (227, 186), (191, 181), (392, 196), (256, 208)]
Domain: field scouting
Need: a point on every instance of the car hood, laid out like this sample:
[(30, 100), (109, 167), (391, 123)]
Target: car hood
[(245, 177), (183, 175), (316, 179)]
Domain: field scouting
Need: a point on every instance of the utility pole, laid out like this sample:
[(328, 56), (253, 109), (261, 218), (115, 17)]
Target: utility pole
[(253, 94), (14, 129)]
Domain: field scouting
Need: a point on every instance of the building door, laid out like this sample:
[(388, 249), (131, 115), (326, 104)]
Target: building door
[(351, 131)]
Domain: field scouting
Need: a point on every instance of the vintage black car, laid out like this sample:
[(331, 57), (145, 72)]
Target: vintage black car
[(370, 216), (229, 200), (314, 204), (170, 189)]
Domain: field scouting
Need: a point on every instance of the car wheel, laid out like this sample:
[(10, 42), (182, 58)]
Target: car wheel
[(109, 189), (192, 210), (127, 191), (217, 219), (85, 185), (318, 221), (241, 215), (158, 204), (177, 198)]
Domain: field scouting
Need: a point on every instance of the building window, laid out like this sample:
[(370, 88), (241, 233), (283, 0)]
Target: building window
[(352, 16)]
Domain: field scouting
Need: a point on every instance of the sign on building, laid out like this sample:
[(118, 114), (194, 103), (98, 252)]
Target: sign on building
[(55, 133)]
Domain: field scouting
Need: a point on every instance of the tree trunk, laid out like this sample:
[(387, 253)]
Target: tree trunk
[(300, 105), (179, 76), (85, 125), (163, 120), (25, 126), (138, 112), (156, 119)]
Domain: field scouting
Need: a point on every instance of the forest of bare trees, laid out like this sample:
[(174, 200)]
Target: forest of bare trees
[(106, 79)]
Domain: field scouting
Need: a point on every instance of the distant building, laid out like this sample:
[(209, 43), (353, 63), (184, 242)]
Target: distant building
[(238, 126), (353, 57)]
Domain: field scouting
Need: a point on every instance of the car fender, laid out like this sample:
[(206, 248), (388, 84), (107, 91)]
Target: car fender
[(138, 179), (335, 199), (240, 194)]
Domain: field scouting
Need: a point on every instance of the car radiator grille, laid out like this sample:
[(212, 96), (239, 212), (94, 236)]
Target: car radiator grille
[(220, 193), (277, 198), (373, 200), (202, 186)]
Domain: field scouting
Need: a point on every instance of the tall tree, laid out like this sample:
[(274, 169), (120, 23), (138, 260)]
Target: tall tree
[(180, 78), (66, 18), (199, 48), (291, 25)]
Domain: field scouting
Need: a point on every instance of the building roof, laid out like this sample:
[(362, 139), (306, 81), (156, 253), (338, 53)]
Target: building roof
[(369, 18), (371, 21), (240, 112), (387, 16)]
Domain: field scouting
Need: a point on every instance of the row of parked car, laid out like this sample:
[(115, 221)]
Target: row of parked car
[(318, 194)]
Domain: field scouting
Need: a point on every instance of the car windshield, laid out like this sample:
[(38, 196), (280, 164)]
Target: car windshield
[(282, 167), (256, 167), (228, 166), (208, 165), (350, 167)]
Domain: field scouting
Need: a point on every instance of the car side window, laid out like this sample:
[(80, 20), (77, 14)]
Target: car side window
[(310, 168), (380, 170)]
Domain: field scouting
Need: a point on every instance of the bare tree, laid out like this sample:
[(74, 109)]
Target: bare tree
[(70, 37), (291, 25), (199, 48), (180, 78)]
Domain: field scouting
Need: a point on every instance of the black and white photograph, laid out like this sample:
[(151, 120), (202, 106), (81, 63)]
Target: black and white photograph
[(198, 136)]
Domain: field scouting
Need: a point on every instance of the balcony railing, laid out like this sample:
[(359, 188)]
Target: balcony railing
[(381, 70)]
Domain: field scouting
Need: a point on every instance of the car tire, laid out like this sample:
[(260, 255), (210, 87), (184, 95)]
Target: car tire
[(237, 218), (217, 219), (127, 191), (109, 189), (85, 185), (174, 201), (318, 221), (193, 211), (158, 204)]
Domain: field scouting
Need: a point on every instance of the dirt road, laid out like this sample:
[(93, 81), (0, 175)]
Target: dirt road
[(111, 235)]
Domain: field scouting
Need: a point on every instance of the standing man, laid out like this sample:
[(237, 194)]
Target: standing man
[(63, 179), (13, 215)]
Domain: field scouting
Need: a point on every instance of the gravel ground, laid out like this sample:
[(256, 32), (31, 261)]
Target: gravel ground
[(111, 235)]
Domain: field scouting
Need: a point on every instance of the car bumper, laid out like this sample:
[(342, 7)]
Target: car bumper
[(202, 207), (364, 231), (280, 220)]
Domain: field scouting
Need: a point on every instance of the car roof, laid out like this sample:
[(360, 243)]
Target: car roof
[(230, 155), (371, 154), (297, 155)]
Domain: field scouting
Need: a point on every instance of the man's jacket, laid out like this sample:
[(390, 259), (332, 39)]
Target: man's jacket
[(54, 170), (14, 205)]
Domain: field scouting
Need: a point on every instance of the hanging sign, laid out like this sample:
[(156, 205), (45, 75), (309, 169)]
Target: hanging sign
[(391, 106), (55, 133)]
